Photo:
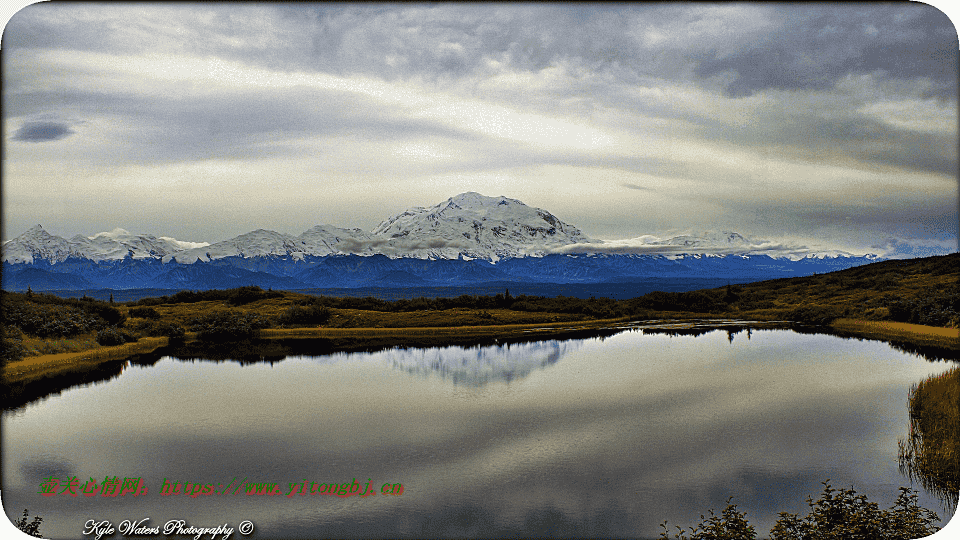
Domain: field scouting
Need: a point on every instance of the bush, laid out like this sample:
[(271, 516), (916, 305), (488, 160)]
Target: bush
[(305, 315), (32, 528), (112, 335), (145, 313), (731, 524), (246, 295), (814, 315), (842, 514), (12, 346), (228, 326), (837, 515)]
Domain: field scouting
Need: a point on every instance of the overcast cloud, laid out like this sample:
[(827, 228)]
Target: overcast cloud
[(816, 125)]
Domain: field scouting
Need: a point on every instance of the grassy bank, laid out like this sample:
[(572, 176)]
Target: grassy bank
[(948, 338), (931, 452), (32, 368)]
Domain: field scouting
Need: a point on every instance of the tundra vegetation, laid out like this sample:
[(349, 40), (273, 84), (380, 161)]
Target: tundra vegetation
[(920, 291), (838, 515)]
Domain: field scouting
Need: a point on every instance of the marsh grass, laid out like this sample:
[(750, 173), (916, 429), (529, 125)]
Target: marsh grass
[(35, 346), (931, 452)]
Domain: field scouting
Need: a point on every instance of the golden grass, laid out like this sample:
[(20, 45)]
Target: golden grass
[(932, 451), (37, 367), (887, 330)]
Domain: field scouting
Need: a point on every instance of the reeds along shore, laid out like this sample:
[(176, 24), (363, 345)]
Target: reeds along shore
[(930, 453)]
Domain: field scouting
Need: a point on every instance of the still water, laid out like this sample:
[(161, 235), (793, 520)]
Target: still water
[(592, 437)]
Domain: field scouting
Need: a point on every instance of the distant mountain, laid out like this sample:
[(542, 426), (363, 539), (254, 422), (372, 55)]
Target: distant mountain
[(38, 245), (479, 227), (467, 239)]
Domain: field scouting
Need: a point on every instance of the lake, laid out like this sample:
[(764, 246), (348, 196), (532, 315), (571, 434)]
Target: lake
[(590, 437)]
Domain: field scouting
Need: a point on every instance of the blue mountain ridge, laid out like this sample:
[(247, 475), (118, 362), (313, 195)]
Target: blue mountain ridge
[(355, 271)]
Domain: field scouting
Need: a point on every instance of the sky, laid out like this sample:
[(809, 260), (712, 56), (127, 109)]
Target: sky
[(817, 125)]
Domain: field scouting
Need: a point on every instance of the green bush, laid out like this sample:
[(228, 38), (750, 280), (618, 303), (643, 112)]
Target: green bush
[(814, 315), (12, 346), (837, 515), (225, 326), (112, 335), (246, 295), (305, 315), (144, 313), (731, 524)]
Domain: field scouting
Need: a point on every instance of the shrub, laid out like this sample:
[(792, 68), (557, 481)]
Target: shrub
[(12, 346), (731, 524), (32, 528), (842, 514), (228, 326), (837, 515), (305, 315), (246, 295), (112, 335), (814, 315), (144, 313), (170, 330)]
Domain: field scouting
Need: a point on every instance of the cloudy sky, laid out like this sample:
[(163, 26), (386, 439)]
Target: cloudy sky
[(828, 126)]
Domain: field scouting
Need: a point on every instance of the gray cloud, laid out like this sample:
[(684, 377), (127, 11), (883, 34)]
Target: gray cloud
[(42, 132), (716, 112), (817, 45)]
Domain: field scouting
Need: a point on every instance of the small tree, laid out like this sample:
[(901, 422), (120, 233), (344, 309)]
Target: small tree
[(32, 528), (844, 515), (731, 524)]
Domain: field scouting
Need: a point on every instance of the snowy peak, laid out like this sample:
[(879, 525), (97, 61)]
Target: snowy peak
[(37, 244), (319, 240), (476, 226), (120, 243), (725, 239)]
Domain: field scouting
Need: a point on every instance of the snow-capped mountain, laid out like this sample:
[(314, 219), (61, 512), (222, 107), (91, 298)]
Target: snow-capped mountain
[(320, 240), (472, 225), (467, 239), (38, 245), (119, 244)]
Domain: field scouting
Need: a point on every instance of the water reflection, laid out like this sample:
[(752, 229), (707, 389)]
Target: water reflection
[(478, 366), (585, 437)]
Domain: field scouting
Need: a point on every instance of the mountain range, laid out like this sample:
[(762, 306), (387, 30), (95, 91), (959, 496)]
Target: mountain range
[(467, 239)]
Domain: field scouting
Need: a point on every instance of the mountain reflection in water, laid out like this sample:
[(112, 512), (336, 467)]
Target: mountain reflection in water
[(470, 366), (588, 437)]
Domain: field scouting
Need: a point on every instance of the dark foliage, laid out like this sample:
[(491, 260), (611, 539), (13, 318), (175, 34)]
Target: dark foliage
[(112, 335), (12, 348), (312, 314), (224, 325), (158, 329), (144, 313), (246, 295), (235, 297), (731, 524), (933, 307), (45, 315), (32, 528), (815, 315), (837, 515)]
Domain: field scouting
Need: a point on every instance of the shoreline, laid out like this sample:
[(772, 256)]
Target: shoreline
[(37, 368)]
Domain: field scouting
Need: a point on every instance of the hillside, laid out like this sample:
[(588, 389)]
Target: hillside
[(920, 291)]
